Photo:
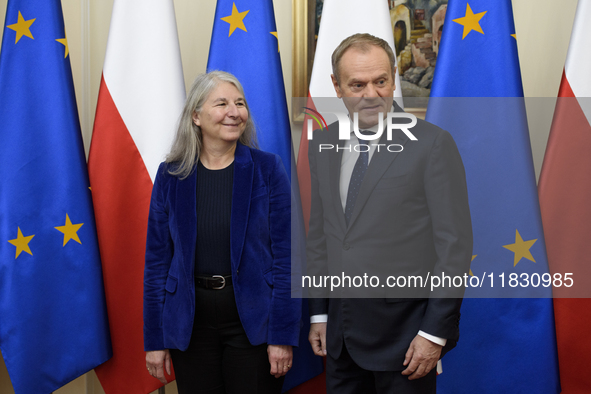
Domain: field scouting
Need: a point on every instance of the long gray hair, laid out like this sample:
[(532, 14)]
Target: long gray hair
[(188, 141)]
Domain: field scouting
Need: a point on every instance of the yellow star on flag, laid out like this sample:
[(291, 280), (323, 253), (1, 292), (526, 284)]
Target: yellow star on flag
[(514, 36), (473, 257), (521, 248), (236, 20), (470, 21), (70, 230), (22, 27), (21, 243), (64, 42), (274, 33)]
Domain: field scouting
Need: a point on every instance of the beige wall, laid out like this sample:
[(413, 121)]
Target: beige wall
[(543, 32)]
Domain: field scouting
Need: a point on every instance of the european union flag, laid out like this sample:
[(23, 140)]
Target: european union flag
[(53, 324), (244, 42), (506, 344)]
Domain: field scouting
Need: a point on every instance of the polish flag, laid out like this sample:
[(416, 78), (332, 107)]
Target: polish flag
[(565, 195), (340, 19), (141, 97)]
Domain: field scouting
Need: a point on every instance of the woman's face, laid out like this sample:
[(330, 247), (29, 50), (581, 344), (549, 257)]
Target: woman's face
[(223, 115)]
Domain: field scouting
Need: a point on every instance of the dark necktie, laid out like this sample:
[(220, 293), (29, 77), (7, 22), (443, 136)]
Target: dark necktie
[(356, 179)]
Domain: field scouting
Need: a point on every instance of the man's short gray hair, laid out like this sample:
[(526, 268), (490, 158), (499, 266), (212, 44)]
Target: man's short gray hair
[(362, 42)]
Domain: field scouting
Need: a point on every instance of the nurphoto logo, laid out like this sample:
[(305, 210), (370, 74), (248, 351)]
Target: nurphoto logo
[(345, 129)]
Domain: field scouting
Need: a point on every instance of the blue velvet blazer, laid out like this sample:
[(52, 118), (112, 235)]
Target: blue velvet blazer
[(260, 254)]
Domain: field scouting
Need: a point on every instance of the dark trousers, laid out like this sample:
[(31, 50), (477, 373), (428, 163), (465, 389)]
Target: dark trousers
[(220, 359), (344, 376)]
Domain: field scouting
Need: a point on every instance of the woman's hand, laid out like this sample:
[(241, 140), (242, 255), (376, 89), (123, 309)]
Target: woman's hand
[(280, 358), (157, 361)]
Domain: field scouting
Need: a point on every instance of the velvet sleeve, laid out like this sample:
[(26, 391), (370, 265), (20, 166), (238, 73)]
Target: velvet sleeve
[(159, 251), (285, 311)]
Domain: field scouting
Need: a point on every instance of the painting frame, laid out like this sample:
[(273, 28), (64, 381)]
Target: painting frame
[(303, 51)]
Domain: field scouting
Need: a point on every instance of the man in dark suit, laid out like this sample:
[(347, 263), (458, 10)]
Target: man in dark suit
[(388, 208)]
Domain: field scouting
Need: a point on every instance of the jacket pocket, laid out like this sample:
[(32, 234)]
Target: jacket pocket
[(171, 283), (392, 182)]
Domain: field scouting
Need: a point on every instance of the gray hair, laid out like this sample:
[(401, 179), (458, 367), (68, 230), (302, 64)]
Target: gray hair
[(188, 141), (362, 42)]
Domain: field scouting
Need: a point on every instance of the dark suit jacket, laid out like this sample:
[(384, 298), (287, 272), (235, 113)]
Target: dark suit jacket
[(260, 254), (411, 217)]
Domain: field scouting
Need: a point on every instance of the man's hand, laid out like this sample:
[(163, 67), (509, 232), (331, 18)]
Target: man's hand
[(422, 355), (280, 358), (317, 338), (157, 361)]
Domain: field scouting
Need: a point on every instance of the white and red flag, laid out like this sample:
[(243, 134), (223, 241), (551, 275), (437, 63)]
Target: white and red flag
[(340, 19), (565, 196), (141, 97)]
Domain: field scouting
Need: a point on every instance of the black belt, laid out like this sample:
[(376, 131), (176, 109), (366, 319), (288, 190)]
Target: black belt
[(215, 282)]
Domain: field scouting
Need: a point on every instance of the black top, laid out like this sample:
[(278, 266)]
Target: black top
[(214, 208)]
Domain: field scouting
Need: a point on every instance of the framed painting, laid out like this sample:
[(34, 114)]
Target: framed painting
[(417, 26)]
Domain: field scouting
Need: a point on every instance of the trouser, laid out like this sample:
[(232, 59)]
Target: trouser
[(220, 359), (344, 376)]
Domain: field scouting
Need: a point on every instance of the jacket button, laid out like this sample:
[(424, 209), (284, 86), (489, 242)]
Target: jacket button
[(346, 246)]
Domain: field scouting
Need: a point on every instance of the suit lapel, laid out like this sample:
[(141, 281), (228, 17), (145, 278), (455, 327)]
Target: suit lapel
[(378, 165), (335, 160), (241, 192)]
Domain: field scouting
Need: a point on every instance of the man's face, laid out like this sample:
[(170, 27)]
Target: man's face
[(366, 84)]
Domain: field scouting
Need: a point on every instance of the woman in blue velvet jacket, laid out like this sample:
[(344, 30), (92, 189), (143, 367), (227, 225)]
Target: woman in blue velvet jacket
[(217, 298)]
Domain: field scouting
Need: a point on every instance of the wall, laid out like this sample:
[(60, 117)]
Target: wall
[(543, 31)]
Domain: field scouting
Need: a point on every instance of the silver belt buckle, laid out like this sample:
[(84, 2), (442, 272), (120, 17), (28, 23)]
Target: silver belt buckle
[(223, 282)]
